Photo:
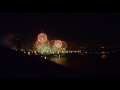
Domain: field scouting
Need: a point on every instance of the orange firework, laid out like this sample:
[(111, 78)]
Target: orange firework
[(42, 38), (51, 43), (58, 43), (64, 44), (42, 45)]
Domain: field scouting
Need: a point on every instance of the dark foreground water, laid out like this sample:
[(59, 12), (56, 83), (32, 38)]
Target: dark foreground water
[(76, 62), (90, 66)]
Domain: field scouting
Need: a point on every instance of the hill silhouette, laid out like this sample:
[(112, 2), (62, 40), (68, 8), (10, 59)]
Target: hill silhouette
[(18, 65)]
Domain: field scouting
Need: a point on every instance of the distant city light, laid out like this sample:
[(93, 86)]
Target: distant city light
[(28, 53), (45, 57), (59, 56), (75, 51), (104, 56), (103, 52), (22, 50)]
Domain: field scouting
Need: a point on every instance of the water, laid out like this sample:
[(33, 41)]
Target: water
[(82, 64), (90, 66), (74, 64)]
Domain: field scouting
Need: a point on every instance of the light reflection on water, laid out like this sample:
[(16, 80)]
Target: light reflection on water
[(76, 65), (61, 60), (86, 65)]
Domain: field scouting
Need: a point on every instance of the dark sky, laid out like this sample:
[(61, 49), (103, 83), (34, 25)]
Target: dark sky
[(83, 27)]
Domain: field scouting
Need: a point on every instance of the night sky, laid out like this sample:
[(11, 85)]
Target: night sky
[(95, 28)]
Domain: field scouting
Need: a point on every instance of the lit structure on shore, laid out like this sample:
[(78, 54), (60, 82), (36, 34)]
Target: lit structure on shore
[(43, 46)]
